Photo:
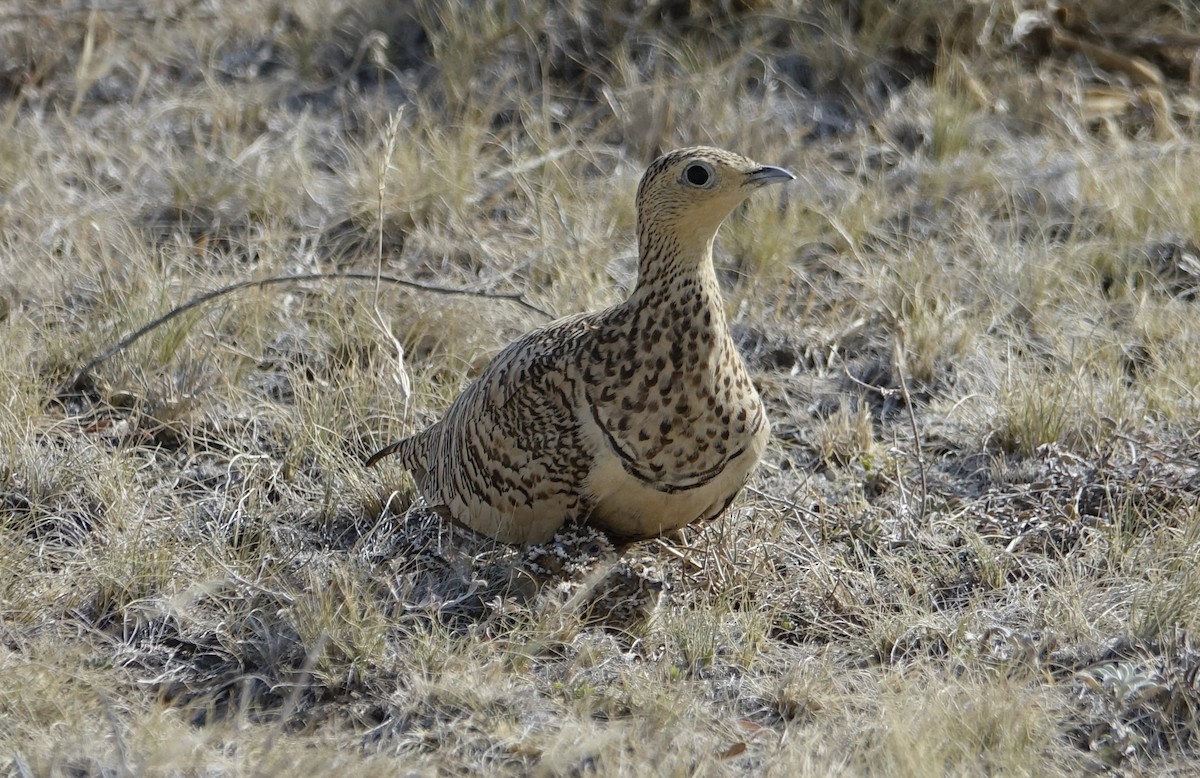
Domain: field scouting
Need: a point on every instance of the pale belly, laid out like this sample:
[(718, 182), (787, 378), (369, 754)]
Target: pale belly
[(630, 510)]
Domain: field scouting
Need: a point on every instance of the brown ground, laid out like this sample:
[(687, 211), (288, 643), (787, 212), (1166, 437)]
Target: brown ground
[(971, 549)]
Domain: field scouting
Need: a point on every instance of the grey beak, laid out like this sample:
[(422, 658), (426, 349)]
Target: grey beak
[(768, 174)]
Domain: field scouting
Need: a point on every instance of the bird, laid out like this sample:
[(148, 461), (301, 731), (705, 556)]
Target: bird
[(638, 419)]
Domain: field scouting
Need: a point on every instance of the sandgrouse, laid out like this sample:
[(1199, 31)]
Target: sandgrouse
[(637, 419)]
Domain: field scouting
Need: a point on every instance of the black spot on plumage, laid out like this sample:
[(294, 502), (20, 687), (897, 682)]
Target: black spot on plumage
[(676, 353)]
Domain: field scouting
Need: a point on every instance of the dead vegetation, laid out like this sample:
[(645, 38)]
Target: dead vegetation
[(971, 550)]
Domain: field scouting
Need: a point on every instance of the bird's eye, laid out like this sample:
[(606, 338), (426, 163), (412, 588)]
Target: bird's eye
[(698, 174)]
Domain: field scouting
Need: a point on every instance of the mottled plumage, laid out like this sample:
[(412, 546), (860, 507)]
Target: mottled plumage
[(637, 419)]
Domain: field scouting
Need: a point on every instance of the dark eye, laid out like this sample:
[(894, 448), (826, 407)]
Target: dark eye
[(697, 174)]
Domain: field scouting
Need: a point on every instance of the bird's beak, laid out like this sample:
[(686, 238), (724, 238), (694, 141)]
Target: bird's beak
[(768, 174)]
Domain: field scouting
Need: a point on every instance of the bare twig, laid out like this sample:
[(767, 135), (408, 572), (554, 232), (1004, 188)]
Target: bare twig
[(84, 9), (901, 366), (127, 341), (912, 421)]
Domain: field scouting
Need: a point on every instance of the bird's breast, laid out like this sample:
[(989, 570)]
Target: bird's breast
[(676, 416)]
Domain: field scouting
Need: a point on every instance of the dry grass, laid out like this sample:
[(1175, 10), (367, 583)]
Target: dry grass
[(970, 551)]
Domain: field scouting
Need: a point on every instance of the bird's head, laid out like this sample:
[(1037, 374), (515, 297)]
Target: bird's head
[(687, 193)]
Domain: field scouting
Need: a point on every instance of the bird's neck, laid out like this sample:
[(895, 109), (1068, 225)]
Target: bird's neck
[(676, 281)]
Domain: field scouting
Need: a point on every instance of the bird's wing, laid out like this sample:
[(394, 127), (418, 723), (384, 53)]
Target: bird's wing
[(508, 458)]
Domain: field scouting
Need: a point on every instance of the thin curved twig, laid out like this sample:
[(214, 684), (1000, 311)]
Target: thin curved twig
[(199, 300)]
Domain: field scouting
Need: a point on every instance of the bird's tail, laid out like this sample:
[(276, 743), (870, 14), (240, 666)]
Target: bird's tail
[(403, 447)]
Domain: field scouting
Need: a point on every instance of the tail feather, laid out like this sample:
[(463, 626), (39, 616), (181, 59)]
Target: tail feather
[(402, 447)]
